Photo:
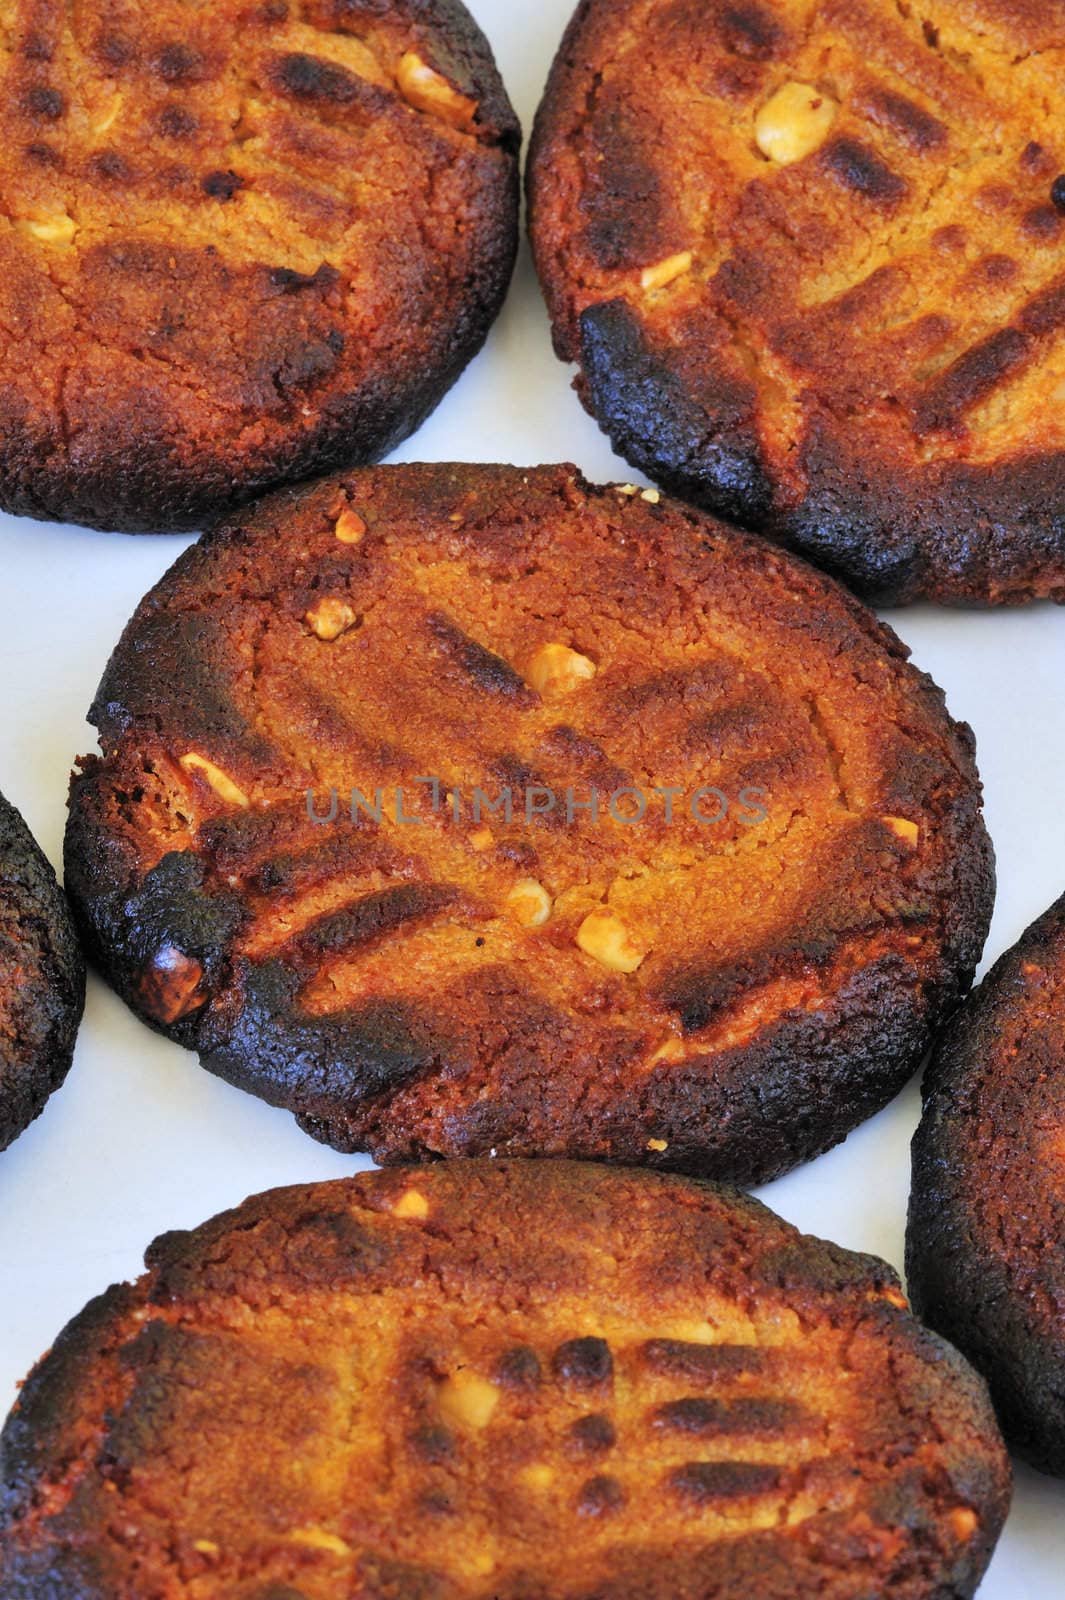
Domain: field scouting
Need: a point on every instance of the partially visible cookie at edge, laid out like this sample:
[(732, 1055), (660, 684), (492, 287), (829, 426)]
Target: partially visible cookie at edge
[(808, 260), (500, 1381), (340, 839), (986, 1240), (42, 978), (243, 244)]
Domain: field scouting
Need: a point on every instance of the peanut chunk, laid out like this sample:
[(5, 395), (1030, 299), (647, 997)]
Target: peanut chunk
[(666, 272), (605, 938), (480, 1564), (109, 117), (529, 903), (483, 839), (964, 1523), (658, 1145), (412, 1203), (670, 1049), (220, 782), (319, 1539), (468, 1400), (903, 829), (59, 229), (170, 988), (350, 527), (556, 669), (330, 618), (794, 122), (427, 90)]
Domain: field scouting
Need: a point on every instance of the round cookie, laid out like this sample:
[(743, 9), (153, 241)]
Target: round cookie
[(987, 1213), (295, 854), (511, 1380), (808, 259), (243, 243), (42, 979)]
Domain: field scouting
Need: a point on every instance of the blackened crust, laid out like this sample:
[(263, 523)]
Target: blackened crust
[(970, 535), (42, 978), (987, 1211), (371, 981), (810, 1442), (240, 309), (851, 353)]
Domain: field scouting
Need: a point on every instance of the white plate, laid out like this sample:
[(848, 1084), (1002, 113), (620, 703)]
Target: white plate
[(141, 1140)]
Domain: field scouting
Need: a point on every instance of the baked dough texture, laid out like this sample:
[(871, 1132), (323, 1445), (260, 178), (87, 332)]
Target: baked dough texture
[(501, 1381), (42, 978), (986, 1242), (240, 243), (808, 255), (422, 974)]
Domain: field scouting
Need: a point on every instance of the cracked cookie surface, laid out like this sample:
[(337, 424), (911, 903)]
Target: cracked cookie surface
[(808, 255), (986, 1239), (725, 984), (506, 1380), (42, 978), (240, 243)]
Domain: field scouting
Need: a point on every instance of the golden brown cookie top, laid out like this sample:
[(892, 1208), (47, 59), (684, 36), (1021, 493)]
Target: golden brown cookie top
[(502, 1380), (351, 746), (240, 241), (828, 238)]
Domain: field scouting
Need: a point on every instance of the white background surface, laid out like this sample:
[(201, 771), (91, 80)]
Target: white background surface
[(141, 1140)]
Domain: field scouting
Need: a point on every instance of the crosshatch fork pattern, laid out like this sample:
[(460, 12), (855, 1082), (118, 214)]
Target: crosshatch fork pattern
[(238, 243), (502, 1380), (868, 335), (444, 987)]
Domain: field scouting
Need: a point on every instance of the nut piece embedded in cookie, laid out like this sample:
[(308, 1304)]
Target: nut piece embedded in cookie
[(428, 90), (220, 782), (468, 1400), (330, 618), (605, 938), (794, 122), (170, 989), (350, 527), (59, 229), (529, 903), (413, 1204), (904, 829), (666, 272), (556, 669), (319, 1539)]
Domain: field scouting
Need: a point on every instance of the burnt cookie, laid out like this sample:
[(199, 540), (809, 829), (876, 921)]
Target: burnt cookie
[(986, 1239), (808, 260), (516, 1380), (243, 243), (464, 808), (42, 978)]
